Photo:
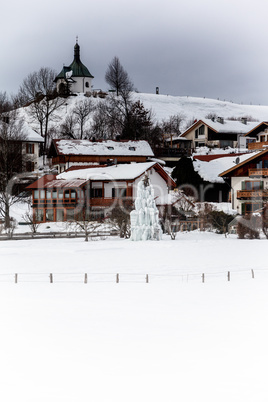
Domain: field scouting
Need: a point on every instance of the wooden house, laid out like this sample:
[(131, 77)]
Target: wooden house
[(217, 132), (65, 153), (248, 180), (66, 196), (257, 138)]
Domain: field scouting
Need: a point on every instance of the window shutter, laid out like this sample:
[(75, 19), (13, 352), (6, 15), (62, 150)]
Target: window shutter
[(243, 185), (261, 185), (243, 209)]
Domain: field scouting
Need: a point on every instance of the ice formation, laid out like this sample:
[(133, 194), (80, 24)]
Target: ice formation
[(144, 219)]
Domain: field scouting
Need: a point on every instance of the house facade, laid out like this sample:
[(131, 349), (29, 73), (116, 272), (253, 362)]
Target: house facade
[(63, 197), (257, 138), (64, 154), (75, 77), (249, 182), (217, 132), (30, 149)]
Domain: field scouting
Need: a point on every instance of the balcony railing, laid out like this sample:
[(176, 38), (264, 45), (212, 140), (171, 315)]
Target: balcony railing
[(258, 172), (257, 145), (107, 202), (248, 194)]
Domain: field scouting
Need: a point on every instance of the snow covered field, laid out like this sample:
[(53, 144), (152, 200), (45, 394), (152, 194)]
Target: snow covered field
[(172, 339)]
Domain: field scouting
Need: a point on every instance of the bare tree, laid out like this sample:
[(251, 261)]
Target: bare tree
[(87, 222), (67, 128), (39, 91), (82, 113), (105, 122), (11, 159), (29, 219), (172, 126), (117, 77)]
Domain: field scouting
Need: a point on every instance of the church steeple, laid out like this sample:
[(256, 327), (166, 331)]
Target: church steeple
[(77, 51)]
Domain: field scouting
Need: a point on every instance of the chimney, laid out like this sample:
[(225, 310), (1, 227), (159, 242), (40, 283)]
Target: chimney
[(244, 120), (157, 90)]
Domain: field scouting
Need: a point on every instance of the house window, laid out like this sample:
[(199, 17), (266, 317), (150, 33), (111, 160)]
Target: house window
[(202, 130), (49, 195), (69, 195), (39, 215), (73, 194), (199, 132), (36, 194), (110, 148), (119, 192), (60, 215), (248, 208), (87, 85), (29, 166), (132, 148), (253, 185), (29, 148), (69, 214), (49, 215), (96, 193)]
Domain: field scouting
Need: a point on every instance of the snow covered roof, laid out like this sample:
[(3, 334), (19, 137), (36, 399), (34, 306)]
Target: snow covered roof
[(30, 134), (243, 161), (231, 126), (226, 126), (210, 171), (115, 172), (103, 148)]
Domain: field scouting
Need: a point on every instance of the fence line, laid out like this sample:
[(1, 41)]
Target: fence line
[(54, 235), (94, 277)]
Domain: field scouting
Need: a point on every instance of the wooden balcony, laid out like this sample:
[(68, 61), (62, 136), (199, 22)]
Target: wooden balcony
[(258, 172), (249, 194), (257, 145), (108, 202)]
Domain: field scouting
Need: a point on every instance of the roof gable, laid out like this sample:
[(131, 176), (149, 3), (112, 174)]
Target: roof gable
[(254, 156), (226, 126)]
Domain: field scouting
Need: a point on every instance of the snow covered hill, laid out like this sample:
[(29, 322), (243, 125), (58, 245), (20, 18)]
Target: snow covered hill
[(164, 106)]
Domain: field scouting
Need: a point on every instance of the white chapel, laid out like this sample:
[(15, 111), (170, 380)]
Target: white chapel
[(75, 77)]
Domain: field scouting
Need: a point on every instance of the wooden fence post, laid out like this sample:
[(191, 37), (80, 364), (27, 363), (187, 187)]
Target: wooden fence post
[(252, 274), (229, 276), (51, 278), (117, 278), (147, 278), (85, 280), (16, 278)]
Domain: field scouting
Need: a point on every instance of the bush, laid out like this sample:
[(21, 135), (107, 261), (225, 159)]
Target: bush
[(248, 227)]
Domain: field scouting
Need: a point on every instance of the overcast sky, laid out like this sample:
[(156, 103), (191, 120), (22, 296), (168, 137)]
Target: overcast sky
[(209, 48)]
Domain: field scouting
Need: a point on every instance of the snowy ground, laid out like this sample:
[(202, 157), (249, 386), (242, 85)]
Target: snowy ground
[(172, 339)]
